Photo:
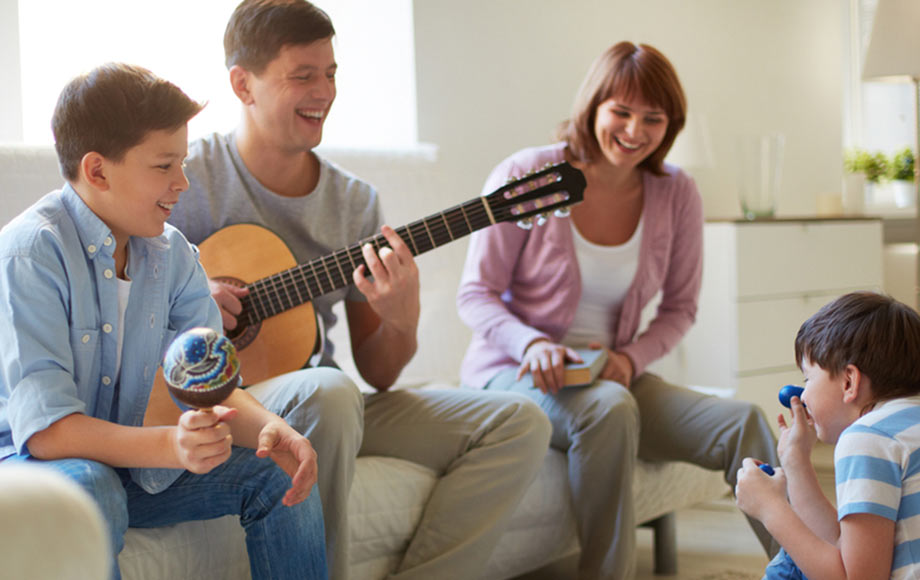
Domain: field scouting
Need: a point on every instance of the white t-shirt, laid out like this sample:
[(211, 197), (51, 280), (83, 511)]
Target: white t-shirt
[(607, 272)]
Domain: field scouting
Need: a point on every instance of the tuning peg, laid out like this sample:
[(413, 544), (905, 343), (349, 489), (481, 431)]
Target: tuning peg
[(525, 224), (541, 219), (562, 212)]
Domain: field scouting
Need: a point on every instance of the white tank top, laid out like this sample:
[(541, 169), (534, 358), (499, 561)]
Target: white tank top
[(607, 272)]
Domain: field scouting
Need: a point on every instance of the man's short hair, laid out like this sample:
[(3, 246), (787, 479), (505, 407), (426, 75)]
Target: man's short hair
[(875, 333), (258, 29), (113, 108)]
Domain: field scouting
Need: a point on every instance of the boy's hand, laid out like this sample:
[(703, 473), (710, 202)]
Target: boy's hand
[(294, 454), (757, 493), (203, 440), (796, 441)]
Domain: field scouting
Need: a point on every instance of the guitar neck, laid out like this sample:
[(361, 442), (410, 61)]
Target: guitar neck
[(303, 283)]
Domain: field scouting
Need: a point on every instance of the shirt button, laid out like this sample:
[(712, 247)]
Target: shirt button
[(108, 241), (108, 274), (85, 338), (91, 249), (106, 381), (106, 328)]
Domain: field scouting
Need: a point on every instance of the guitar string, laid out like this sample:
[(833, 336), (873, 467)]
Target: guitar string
[(438, 230), (266, 299)]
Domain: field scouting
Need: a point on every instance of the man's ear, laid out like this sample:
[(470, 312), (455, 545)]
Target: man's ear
[(239, 82), (855, 384), (93, 171)]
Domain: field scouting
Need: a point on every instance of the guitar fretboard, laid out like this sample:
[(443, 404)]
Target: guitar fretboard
[(303, 283)]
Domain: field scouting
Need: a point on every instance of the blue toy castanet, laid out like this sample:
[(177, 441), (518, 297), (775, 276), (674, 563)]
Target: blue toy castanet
[(786, 394), (766, 468)]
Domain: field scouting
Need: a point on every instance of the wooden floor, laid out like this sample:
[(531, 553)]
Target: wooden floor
[(714, 541)]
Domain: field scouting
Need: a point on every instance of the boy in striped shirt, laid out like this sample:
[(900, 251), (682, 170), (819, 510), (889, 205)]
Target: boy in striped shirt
[(860, 355)]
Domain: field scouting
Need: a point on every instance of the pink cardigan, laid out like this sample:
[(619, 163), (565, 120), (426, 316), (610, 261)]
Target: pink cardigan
[(519, 285)]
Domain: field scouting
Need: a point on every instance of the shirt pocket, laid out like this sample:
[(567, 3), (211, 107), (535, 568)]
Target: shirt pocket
[(87, 357)]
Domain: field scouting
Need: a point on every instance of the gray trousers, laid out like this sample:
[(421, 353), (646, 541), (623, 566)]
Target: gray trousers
[(485, 446), (604, 428)]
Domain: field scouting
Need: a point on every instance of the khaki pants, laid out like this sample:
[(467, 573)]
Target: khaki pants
[(486, 446), (604, 428)]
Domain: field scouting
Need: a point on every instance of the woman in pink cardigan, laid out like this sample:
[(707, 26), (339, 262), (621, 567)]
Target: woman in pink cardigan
[(532, 296)]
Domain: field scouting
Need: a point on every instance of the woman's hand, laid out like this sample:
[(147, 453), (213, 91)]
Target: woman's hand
[(546, 360), (202, 438), (619, 367)]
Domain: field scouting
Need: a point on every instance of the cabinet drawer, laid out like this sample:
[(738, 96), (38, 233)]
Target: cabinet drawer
[(801, 257), (767, 329)]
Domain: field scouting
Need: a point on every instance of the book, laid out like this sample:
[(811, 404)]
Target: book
[(584, 373)]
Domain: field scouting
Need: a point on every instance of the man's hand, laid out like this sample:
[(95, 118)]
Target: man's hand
[(394, 291), (294, 454), (228, 298), (203, 440), (546, 360), (757, 493)]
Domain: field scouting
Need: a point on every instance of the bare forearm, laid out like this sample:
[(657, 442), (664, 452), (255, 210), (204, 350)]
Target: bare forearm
[(79, 436), (809, 501), (816, 557), (383, 355), (250, 420)]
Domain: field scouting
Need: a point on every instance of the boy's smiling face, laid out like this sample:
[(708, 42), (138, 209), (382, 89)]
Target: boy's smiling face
[(137, 193), (828, 400)]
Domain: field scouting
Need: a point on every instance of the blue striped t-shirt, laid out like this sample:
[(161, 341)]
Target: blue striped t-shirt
[(877, 470)]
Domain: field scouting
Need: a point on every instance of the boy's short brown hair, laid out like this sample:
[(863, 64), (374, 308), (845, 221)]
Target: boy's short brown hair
[(258, 29), (875, 333), (113, 108), (626, 70)]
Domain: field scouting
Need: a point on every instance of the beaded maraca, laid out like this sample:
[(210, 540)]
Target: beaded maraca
[(201, 368)]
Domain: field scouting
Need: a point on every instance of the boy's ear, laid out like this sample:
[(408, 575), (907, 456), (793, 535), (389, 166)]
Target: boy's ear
[(93, 169), (239, 81), (855, 384)]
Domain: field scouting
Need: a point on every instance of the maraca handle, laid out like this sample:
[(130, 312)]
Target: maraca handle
[(786, 394)]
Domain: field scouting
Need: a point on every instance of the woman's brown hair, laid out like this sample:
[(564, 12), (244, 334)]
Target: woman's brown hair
[(626, 70)]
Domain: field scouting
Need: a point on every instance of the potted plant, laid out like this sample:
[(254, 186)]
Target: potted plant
[(864, 172), (901, 173)]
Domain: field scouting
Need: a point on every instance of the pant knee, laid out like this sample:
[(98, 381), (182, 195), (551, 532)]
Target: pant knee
[(104, 485)]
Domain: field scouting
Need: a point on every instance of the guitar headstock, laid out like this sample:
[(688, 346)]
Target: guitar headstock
[(553, 188)]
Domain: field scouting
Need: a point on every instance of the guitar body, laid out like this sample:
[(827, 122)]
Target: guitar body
[(241, 254)]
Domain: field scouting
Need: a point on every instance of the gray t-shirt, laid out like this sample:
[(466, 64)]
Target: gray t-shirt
[(222, 192)]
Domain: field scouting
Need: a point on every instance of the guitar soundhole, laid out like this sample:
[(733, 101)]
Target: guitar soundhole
[(243, 335)]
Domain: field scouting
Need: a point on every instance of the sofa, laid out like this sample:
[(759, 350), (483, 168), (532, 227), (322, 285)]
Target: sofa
[(388, 495)]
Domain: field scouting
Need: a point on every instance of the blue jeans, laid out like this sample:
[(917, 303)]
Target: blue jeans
[(783, 568), (282, 542)]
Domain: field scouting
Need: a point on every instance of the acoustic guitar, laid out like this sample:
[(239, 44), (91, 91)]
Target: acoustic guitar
[(277, 330)]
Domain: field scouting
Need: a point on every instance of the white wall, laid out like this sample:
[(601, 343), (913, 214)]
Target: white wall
[(11, 95), (497, 75)]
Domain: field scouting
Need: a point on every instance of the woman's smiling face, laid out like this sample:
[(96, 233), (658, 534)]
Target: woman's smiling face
[(628, 130)]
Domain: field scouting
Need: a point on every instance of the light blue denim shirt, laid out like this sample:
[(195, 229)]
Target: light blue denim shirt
[(59, 316)]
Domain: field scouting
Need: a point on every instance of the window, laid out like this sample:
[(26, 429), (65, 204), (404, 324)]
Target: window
[(879, 115), (183, 41)]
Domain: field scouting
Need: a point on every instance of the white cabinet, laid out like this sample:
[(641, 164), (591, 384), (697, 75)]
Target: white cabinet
[(761, 280)]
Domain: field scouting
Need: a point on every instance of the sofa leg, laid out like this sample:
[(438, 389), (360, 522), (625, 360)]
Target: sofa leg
[(664, 530)]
